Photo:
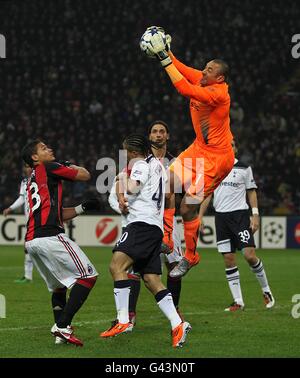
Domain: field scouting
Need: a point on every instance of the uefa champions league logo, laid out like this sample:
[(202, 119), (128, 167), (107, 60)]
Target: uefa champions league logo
[(2, 47)]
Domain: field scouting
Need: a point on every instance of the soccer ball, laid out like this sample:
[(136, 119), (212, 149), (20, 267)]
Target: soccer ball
[(145, 41), (273, 232)]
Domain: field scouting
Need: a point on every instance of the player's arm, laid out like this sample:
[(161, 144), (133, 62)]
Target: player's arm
[(72, 172), (254, 219), (69, 213), (252, 199), (191, 74), (113, 198), (138, 177), (203, 208), (121, 182), (82, 173), (126, 184), (208, 95), (18, 203)]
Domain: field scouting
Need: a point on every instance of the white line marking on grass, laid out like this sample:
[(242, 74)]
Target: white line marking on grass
[(102, 321), (76, 324)]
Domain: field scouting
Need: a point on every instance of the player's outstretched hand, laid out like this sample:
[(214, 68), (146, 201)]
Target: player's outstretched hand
[(91, 204), (159, 49)]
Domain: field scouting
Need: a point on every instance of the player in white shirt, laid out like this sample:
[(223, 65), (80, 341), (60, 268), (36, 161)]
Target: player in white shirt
[(158, 133), (22, 200), (140, 244), (235, 229)]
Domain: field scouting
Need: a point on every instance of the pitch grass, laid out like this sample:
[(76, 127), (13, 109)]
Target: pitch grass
[(255, 332)]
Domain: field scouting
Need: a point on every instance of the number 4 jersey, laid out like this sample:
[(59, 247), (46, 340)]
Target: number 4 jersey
[(44, 190), (148, 204)]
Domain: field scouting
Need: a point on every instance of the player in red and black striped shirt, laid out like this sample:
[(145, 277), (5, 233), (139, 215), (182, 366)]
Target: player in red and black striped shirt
[(59, 260)]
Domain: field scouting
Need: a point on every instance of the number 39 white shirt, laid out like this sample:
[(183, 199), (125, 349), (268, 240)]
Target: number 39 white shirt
[(148, 204), (230, 195)]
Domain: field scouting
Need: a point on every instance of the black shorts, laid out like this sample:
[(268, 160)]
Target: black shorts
[(142, 242), (233, 231)]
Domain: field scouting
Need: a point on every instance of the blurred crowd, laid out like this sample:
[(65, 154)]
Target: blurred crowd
[(75, 77)]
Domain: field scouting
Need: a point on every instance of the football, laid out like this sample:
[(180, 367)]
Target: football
[(145, 41)]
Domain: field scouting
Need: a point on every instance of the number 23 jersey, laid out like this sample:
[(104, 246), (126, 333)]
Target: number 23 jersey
[(148, 204), (44, 191)]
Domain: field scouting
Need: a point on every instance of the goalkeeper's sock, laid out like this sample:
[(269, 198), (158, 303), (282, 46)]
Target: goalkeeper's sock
[(191, 230), (78, 295), (168, 227)]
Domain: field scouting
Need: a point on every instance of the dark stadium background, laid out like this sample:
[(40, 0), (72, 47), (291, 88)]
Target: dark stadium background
[(75, 76)]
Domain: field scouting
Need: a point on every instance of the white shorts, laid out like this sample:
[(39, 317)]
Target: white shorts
[(59, 261)]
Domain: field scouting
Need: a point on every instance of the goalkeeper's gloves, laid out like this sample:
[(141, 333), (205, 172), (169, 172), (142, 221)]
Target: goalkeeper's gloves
[(159, 49), (168, 42), (87, 205)]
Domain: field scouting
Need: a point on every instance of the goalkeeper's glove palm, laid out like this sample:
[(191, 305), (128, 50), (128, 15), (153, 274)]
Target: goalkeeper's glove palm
[(158, 47)]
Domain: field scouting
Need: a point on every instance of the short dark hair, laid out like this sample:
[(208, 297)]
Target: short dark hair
[(29, 150), (158, 122), (224, 68), (139, 143)]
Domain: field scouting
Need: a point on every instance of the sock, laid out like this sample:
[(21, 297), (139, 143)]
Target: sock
[(77, 297), (165, 303), (174, 285), (135, 287), (121, 294), (168, 226), (258, 270), (58, 299), (28, 266), (233, 278), (191, 230)]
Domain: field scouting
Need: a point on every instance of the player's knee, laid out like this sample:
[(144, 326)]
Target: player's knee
[(229, 260), (250, 256), (188, 212), (87, 282), (113, 268)]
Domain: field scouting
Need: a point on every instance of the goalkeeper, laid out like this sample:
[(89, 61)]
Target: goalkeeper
[(209, 159)]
